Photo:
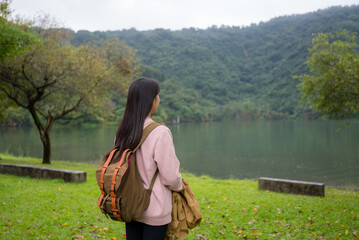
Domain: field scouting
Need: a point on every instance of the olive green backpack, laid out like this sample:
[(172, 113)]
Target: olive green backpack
[(123, 196)]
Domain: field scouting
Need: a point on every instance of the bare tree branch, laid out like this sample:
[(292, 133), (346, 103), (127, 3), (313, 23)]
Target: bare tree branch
[(27, 77), (14, 84), (65, 112), (45, 95), (14, 98), (43, 114)]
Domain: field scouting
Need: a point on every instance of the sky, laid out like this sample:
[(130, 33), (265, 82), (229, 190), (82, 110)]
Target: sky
[(103, 15)]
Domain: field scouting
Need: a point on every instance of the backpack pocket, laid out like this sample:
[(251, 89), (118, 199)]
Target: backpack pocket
[(106, 207)]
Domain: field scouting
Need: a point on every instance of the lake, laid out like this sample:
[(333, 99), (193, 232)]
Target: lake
[(291, 149)]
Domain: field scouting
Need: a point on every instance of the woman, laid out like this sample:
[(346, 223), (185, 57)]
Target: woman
[(156, 152)]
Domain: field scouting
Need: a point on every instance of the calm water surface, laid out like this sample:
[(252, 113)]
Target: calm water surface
[(300, 150)]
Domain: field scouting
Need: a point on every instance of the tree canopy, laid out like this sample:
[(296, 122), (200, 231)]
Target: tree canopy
[(13, 41), (54, 80), (333, 86)]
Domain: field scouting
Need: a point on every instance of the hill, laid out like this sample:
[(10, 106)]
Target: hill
[(225, 72), (232, 71)]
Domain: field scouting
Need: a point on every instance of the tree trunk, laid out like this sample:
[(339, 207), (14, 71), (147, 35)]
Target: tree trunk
[(44, 134), (45, 138)]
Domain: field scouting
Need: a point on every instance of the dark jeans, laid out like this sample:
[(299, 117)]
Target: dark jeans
[(140, 231)]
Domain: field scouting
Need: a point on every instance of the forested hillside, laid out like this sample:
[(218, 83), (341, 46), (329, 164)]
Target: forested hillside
[(229, 72), (226, 72)]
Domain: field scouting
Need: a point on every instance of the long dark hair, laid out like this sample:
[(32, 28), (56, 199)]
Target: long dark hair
[(140, 98)]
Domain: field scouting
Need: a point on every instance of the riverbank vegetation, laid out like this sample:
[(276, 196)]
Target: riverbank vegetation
[(222, 72), (232, 209)]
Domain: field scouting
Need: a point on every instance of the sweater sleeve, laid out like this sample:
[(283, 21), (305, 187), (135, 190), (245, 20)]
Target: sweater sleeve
[(167, 161)]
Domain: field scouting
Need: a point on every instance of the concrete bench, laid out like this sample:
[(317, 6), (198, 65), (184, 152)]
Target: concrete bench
[(43, 172), (292, 186)]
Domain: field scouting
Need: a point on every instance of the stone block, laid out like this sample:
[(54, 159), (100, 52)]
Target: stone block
[(292, 186), (43, 172)]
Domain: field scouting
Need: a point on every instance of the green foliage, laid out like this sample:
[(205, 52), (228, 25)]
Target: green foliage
[(13, 39), (60, 81), (223, 66), (4, 11), (240, 110), (53, 80), (152, 72), (231, 209), (183, 104), (15, 116), (227, 72), (333, 87), (4, 105)]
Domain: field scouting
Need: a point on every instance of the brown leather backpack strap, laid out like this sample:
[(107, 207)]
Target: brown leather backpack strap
[(102, 182), (113, 183)]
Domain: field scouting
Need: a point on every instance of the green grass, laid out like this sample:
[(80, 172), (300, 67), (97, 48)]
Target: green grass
[(232, 209)]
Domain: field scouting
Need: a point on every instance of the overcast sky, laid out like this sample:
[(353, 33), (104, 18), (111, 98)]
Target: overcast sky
[(105, 15)]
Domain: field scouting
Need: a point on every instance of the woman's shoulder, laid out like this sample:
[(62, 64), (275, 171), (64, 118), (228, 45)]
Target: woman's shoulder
[(161, 128), (160, 131)]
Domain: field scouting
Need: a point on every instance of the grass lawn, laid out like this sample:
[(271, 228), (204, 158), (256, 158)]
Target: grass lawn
[(232, 209)]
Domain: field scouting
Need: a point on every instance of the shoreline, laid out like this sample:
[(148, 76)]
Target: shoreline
[(38, 162)]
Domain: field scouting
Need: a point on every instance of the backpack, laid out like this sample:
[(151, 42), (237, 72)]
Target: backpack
[(123, 196)]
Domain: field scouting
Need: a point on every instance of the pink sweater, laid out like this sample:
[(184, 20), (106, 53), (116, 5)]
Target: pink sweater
[(158, 151)]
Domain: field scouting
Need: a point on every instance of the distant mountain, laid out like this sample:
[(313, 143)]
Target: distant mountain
[(232, 71)]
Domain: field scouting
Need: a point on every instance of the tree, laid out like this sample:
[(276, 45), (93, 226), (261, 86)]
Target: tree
[(13, 41), (333, 87), (55, 80), (13, 38)]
